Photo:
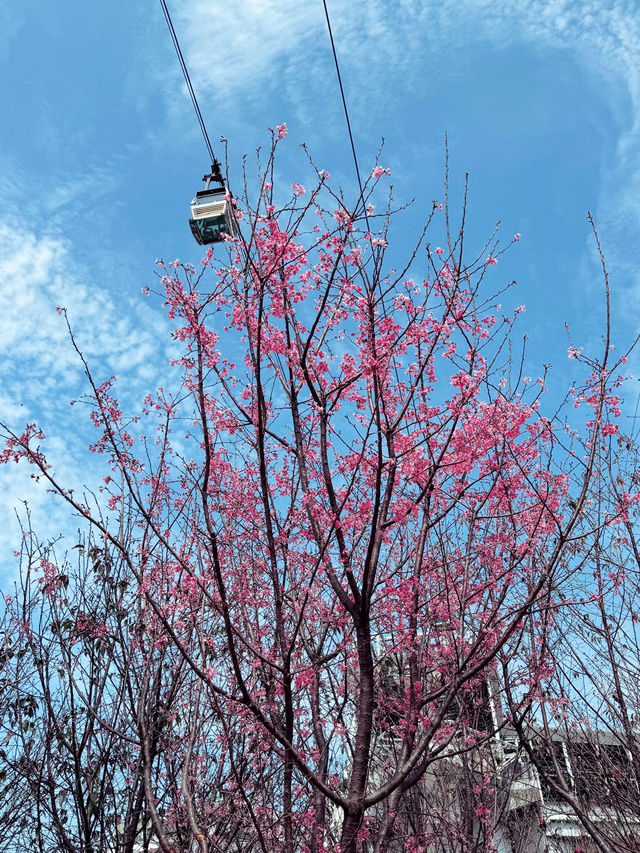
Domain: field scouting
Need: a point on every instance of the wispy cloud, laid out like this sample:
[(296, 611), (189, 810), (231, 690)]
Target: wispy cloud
[(239, 54), (39, 274), (232, 49), (40, 373), (233, 46)]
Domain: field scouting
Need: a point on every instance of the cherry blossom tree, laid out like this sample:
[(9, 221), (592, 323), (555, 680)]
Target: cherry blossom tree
[(582, 734), (347, 519), (96, 712)]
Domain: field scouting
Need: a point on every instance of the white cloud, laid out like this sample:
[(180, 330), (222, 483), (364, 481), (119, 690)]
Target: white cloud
[(40, 372), (233, 49), (232, 46), (37, 275), (261, 48), (239, 52)]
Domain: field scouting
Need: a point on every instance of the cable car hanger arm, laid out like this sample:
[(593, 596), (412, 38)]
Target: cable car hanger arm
[(214, 175)]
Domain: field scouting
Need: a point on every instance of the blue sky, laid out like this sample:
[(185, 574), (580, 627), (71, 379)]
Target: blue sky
[(100, 154)]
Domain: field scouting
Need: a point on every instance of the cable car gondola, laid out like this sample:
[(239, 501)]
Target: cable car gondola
[(211, 213)]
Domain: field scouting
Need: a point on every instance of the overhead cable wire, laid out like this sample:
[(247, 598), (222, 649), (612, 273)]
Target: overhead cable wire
[(344, 104), (185, 72)]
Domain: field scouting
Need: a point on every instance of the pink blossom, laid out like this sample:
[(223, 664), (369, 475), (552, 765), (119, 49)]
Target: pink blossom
[(298, 189), (341, 216), (573, 352), (51, 577), (282, 130), (491, 261), (378, 172), (517, 236)]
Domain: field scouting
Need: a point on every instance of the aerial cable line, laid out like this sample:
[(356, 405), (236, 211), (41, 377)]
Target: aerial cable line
[(344, 104), (212, 216), (185, 72), (215, 166)]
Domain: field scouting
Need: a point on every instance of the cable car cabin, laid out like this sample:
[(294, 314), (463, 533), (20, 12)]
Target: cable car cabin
[(211, 216)]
